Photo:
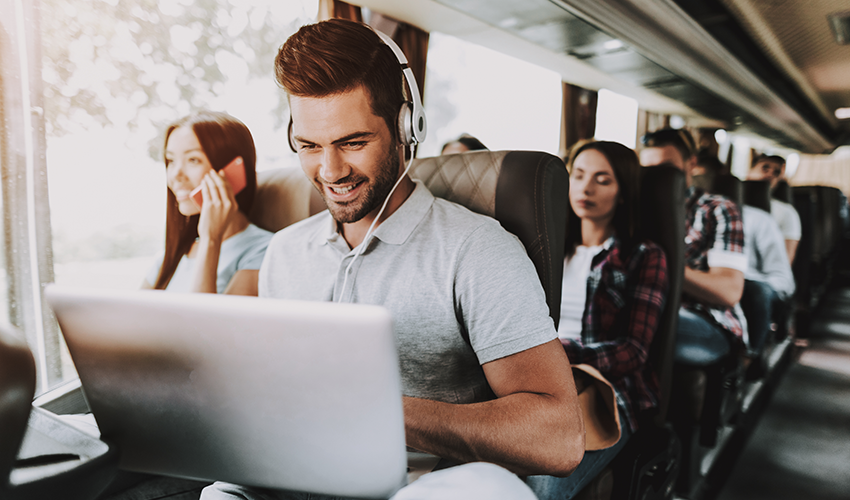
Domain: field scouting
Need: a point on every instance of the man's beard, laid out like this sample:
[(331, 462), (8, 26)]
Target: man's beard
[(372, 195)]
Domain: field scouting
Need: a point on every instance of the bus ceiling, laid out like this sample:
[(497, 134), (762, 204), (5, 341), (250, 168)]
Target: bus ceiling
[(774, 69)]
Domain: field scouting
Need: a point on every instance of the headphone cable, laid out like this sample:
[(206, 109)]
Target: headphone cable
[(362, 246)]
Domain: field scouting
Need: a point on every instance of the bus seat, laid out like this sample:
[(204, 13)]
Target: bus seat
[(42, 456), (524, 190), (17, 388), (284, 196), (729, 186), (804, 202), (757, 194), (819, 208), (783, 192), (648, 465), (663, 222)]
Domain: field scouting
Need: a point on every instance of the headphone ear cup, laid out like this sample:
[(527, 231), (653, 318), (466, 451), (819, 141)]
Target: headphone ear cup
[(418, 124), (405, 124), (291, 138)]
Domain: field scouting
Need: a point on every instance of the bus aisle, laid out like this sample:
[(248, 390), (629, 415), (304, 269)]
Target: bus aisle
[(800, 446)]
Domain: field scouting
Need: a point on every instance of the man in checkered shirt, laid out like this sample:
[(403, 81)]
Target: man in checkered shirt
[(714, 258)]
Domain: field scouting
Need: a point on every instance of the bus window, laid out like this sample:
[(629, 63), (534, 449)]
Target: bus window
[(616, 118), (115, 73), (504, 102)]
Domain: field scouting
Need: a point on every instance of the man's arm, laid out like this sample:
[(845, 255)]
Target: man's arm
[(533, 427), (791, 249), (719, 286)]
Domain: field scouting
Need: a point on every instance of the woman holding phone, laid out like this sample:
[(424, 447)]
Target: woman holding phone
[(210, 245)]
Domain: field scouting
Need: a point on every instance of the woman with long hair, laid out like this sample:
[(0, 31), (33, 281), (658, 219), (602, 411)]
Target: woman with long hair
[(212, 248), (613, 292)]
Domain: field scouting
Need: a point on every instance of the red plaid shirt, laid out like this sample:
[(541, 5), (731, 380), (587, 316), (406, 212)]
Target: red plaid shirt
[(625, 297), (713, 222)]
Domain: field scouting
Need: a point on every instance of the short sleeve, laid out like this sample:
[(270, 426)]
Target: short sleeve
[(728, 248), (788, 220), (254, 249), (499, 296)]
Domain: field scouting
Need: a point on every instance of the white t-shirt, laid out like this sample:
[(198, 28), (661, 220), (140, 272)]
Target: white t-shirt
[(765, 251), (574, 290), (787, 218)]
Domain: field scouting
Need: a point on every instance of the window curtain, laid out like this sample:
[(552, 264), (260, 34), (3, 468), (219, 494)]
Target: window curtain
[(650, 122), (412, 40), (336, 9), (578, 116), (824, 170)]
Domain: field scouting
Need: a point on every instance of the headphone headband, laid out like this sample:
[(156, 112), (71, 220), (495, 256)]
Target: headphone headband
[(412, 124)]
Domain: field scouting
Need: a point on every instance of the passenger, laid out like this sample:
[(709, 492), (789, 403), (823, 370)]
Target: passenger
[(462, 144), (613, 291), (714, 258), (213, 249), (708, 164), (772, 168), (769, 282), (484, 375)]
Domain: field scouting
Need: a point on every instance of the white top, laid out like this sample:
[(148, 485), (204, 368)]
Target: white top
[(765, 249), (244, 250), (787, 218), (462, 290), (574, 290)]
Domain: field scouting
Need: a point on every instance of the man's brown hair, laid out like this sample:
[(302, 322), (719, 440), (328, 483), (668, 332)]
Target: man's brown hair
[(336, 56)]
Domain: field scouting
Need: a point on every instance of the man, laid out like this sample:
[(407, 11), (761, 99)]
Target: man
[(772, 168), (714, 257), (484, 375), (463, 144), (769, 281)]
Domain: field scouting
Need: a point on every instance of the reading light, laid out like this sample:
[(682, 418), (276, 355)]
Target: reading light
[(612, 45), (842, 113), (840, 24)]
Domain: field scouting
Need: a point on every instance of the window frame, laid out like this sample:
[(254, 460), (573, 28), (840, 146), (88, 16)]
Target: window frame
[(27, 237)]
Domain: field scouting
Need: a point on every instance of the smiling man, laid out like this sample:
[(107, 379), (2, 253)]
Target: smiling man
[(484, 376)]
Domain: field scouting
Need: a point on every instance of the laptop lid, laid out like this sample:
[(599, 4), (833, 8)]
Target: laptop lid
[(293, 395)]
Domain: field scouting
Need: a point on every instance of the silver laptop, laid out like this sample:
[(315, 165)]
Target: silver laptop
[(292, 395)]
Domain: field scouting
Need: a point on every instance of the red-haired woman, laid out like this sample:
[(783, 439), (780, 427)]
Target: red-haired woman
[(213, 248)]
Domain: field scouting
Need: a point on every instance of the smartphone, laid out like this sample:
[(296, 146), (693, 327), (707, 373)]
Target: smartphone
[(234, 174)]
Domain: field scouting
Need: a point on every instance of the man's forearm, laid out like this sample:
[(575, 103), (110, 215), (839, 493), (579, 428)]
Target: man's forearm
[(719, 287), (526, 433), (791, 249)]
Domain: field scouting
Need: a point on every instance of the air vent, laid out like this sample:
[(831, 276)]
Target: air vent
[(840, 24)]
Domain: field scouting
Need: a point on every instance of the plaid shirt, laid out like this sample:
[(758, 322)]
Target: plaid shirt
[(713, 223), (625, 296)]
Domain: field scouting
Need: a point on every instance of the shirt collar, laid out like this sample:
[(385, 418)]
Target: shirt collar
[(396, 228)]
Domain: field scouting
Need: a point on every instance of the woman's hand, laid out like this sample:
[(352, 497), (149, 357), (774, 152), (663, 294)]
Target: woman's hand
[(218, 210)]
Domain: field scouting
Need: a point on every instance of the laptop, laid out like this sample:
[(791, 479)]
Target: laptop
[(292, 395)]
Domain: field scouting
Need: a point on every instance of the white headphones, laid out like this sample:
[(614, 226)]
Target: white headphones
[(412, 124)]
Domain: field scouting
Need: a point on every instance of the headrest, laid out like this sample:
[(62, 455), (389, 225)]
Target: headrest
[(284, 196), (526, 191)]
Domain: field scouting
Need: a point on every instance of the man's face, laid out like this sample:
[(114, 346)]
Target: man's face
[(766, 171), (347, 151)]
